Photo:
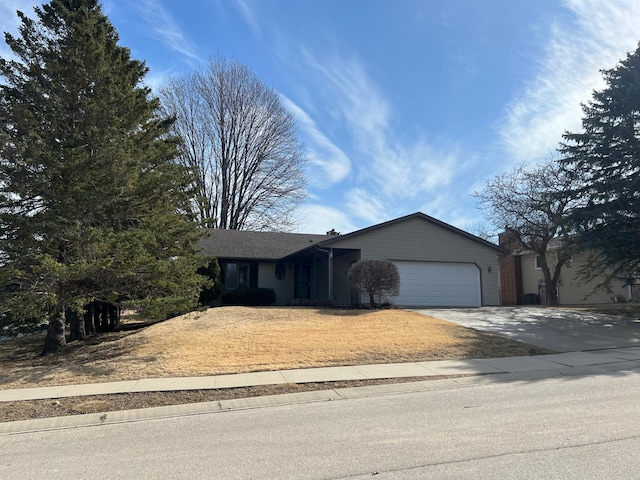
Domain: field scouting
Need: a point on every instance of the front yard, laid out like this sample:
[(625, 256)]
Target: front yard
[(242, 339), (235, 340)]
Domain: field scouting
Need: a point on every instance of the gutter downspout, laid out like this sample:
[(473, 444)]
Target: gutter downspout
[(329, 253)]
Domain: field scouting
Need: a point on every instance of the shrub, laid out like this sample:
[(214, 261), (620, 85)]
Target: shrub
[(210, 294), (375, 277), (249, 297), (12, 327)]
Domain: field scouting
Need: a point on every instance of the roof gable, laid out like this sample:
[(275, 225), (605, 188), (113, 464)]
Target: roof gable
[(419, 215)]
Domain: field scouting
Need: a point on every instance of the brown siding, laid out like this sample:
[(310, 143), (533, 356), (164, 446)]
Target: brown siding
[(510, 280), (510, 272)]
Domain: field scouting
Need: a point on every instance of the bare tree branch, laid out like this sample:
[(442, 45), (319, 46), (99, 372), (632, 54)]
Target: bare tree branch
[(528, 204), (241, 145)]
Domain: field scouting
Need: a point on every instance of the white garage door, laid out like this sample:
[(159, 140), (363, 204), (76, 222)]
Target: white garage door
[(438, 284)]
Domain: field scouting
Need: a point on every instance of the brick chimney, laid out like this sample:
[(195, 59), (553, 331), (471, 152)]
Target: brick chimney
[(510, 270)]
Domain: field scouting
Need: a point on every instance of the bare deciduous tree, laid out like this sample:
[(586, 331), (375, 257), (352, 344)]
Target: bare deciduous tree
[(242, 146), (529, 205)]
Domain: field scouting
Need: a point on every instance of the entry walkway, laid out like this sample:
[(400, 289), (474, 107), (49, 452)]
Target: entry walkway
[(561, 363)]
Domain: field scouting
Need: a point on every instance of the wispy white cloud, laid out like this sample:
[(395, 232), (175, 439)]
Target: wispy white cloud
[(411, 170), (168, 31), (466, 63), (596, 35), (359, 100), (321, 219), (367, 205), (9, 20), (447, 207), (324, 154), (157, 78), (247, 12), (388, 169), (249, 15)]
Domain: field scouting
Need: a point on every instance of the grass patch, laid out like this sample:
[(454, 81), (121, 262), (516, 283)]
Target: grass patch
[(248, 339)]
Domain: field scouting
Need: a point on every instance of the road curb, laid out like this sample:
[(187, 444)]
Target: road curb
[(158, 413), (574, 365)]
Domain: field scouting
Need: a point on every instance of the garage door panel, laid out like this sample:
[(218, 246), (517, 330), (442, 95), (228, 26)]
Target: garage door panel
[(438, 284)]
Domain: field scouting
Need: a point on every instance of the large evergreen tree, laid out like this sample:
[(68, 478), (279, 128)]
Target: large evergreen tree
[(92, 201), (605, 159)]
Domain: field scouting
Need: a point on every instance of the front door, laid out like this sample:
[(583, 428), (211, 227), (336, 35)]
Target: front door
[(303, 282), (355, 293)]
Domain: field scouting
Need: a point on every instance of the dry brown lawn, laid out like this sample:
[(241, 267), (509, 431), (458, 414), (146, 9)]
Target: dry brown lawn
[(242, 339)]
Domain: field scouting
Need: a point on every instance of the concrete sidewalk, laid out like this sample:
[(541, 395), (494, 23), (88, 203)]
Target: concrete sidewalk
[(561, 363)]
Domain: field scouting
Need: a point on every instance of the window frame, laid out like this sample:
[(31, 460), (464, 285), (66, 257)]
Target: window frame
[(243, 274)]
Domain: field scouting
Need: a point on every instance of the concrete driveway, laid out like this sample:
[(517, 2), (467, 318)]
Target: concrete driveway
[(552, 328)]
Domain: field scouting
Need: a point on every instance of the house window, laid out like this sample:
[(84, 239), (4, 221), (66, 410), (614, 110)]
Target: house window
[(538, 262), (281, 271), (231, 276), (239, 275), (243, 275)]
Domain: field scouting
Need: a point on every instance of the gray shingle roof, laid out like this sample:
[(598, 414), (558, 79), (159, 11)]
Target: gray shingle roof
[(242, 244), (248, 245)]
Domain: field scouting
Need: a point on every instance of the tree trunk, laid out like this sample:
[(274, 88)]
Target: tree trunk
[(96, 317), (104, 317), (372, 302), (113, 316), (552, 295), (71, 318), (89, 327), (76, 325), (550, 287), (55, 340)]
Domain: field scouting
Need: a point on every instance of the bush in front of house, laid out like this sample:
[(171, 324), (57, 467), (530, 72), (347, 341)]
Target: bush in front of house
[(249, 297), (374, 277), (210, 295)]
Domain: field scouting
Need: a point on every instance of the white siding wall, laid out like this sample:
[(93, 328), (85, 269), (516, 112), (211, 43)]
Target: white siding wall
[(571, 290), (420, 240)]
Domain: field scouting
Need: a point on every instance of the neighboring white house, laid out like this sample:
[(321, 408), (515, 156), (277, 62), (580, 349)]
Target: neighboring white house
[(522, 281), (439, 265)]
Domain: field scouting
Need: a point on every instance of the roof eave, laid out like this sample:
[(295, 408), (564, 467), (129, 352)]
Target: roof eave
[(423, 216)]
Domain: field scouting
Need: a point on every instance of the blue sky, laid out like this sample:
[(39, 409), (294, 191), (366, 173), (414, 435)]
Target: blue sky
[(404, 105)]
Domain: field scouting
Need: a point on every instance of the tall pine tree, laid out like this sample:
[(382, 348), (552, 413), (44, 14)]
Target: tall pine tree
[(605, 158), (93, 204)]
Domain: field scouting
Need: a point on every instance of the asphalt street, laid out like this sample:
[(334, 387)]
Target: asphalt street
[(553, 328), (562, 427)]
